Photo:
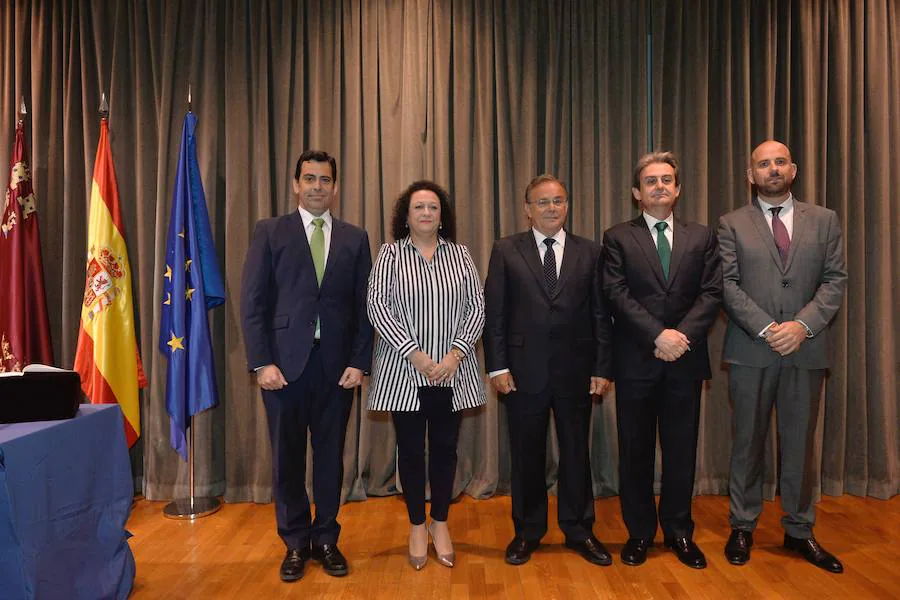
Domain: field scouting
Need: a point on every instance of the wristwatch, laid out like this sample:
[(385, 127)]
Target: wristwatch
[(459, 354)]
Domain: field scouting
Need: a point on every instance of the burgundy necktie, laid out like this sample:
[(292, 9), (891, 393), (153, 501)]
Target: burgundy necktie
[(782, 240)]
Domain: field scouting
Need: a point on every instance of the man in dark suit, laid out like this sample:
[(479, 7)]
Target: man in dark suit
[(784, 282), (307, 336), (546, 346), (663, 282)]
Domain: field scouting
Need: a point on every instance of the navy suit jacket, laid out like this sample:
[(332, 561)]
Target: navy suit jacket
[(643, 302), (281, 299)]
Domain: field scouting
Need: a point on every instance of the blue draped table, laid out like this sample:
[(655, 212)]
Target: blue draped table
[(65, 496)]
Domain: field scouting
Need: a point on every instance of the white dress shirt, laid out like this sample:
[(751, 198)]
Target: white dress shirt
[(786, 214), (669, 232), (309, 227), (558, 247)]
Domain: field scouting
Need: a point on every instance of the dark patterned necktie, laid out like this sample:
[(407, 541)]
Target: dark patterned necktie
[(550, 266), (782, 239)]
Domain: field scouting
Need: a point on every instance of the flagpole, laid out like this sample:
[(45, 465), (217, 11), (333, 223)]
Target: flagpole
[(191, 507)]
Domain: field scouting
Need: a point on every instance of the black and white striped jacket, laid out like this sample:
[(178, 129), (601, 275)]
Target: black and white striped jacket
[(414, 304)]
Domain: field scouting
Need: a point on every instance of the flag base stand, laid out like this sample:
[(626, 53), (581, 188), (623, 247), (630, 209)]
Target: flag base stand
[(191, 508)]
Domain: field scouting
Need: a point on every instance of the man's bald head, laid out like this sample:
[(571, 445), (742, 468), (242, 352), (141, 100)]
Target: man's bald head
[(772, 171)]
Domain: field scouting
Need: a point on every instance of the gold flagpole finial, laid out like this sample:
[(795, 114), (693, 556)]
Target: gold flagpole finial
[(189, 97)]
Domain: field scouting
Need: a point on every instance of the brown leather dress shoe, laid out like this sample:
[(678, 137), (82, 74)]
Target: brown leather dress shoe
[(293, 563), (811, 550)]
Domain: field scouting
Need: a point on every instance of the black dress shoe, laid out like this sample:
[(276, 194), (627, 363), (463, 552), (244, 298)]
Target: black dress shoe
[(814, 553), (737, 549), (592, 551), (634, 552), (519, 550), (331, 558), (687, 552), (293, 563)]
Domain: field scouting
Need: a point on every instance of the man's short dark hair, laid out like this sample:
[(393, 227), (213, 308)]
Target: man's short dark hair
[(316, 156), (544, 179), (654, 158), (399, 226)]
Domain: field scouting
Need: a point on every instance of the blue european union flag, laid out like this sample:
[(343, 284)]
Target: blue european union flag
[(192, 284)]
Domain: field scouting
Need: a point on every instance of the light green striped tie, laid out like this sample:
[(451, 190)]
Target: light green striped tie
[(317, 247), (662, 247)]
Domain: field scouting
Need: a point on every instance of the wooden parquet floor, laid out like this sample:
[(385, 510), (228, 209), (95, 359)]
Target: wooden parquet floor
[(236, 552)]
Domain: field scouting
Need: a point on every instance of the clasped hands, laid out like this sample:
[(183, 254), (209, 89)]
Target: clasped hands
[(785, 338), (436, 372), (671, 345)]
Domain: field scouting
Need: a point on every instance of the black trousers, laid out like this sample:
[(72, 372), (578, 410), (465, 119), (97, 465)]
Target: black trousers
[(436, 416), (528, 417), (673, 406), (323, 407)]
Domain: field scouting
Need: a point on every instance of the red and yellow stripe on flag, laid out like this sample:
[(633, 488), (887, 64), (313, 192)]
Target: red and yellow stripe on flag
[(107, 358)]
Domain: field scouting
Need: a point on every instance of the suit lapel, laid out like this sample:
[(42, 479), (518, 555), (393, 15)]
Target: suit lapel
[(528, 249), (644, 240), (765, 233), (571, 253), (300, 245), (799, 229), (679, 243)]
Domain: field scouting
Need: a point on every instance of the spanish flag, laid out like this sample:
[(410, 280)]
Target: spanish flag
[(107, 357)]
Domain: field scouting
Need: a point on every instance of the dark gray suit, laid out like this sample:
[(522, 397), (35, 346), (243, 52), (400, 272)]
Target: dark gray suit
[(759, 289)]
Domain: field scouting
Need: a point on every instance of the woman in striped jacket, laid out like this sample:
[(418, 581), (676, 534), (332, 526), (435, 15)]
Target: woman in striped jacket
[(426, 302)]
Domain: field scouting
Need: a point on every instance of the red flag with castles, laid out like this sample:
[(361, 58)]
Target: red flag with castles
[(24, 324)]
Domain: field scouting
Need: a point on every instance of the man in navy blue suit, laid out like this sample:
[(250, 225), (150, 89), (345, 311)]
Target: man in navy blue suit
[(307, 337)]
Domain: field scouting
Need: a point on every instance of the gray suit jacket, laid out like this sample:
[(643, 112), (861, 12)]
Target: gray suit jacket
[(759, 289)]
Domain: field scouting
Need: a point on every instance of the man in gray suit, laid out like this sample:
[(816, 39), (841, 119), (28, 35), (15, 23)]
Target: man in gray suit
[(784, 281)]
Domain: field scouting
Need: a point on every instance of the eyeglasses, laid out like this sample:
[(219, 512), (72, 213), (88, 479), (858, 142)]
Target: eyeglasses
[(546, 202)]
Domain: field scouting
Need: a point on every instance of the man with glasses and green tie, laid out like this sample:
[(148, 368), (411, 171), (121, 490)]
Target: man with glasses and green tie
[(309, 340), (547, 347), (663, 282)]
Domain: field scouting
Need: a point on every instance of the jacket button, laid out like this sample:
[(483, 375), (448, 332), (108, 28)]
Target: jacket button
[(785, 283)]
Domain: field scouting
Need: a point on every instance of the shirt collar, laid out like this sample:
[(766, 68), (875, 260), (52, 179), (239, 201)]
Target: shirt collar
[(406, 241), (308, 217), (786, 206), (539, 237), (652, 221)]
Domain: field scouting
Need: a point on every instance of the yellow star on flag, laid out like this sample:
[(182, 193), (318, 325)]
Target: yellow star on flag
[(187, 264), (176, 343), (168, 298), (181, 234), (188, 293), (168, 274)]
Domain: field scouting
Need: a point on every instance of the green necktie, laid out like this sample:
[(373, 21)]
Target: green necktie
[(662, 247), (317, 247)]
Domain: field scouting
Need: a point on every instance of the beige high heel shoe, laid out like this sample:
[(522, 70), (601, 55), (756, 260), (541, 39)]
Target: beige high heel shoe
[(445, 559), (417, 562)]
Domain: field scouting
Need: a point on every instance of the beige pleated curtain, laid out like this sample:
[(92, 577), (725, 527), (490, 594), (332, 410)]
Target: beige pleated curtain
[(479, 95)]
